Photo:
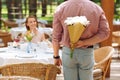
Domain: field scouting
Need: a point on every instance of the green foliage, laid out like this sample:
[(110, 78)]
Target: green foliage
[(96, 1), (117, 9), (60, 1), (50, 9), (5, 29)]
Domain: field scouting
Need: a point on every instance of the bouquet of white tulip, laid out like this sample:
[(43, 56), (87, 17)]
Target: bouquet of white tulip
[(76, 26)]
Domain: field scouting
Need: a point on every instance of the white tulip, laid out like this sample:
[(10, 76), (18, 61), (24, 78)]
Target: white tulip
[(82, 19)]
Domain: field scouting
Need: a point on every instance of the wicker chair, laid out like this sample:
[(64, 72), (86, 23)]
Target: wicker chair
[(17, 78), (103, 58), (6, 37), (8, 23), (36, 70)]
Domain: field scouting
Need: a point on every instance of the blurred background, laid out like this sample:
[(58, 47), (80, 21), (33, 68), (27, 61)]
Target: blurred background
[(43, 9)]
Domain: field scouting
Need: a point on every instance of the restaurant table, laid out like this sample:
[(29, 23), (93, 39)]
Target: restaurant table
[(15, 31), (116, 37), (41, 52), (11, 55), (116, 42), (17, 56), (22, 21)]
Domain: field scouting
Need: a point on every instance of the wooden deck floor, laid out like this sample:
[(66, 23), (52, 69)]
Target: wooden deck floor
[(115, 70)]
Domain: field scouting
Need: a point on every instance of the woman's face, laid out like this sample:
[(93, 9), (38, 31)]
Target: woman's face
[(32, 23)]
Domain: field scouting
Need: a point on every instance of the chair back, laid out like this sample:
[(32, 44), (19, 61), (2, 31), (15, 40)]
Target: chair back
[(103, 54), (17, 78), (8, 23), (103, 58), (36, 70), (6, 37)]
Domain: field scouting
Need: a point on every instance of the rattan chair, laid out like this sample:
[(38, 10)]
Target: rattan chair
[(17, 78), (103, 58), (8, 23), (36, 70), (6, 37)]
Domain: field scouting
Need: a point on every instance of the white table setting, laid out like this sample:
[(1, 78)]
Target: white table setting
[(17, 30), (12, 55)]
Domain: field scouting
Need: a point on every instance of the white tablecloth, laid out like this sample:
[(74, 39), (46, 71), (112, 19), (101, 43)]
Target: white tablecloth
[(15, 31), (16, 56), (41, 52)]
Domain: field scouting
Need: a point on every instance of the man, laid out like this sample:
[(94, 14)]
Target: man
[(80, 67)]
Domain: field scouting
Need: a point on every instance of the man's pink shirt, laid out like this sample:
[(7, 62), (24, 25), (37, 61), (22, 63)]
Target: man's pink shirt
[(98, 23)]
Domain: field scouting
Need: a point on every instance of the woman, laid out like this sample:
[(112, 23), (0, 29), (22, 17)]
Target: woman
[(32, 26)]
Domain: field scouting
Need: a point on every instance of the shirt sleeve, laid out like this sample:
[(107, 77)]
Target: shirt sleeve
[(104, 30), (57, 30)]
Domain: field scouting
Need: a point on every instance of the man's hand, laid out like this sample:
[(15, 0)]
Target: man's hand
[(58, 62), (80, 44)]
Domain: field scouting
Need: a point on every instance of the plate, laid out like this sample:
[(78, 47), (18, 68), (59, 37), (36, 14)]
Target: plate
[(49, 51), (3, 50), (26, 55)]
